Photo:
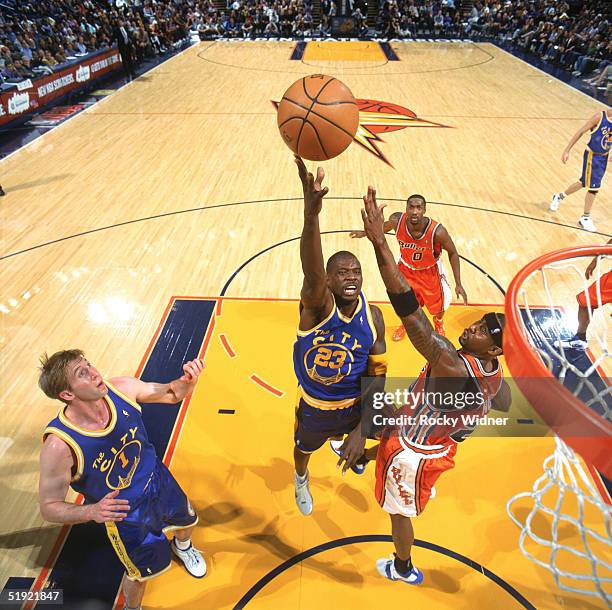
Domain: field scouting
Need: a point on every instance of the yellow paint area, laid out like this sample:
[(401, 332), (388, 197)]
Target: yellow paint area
[(343, 51), (238, 472)]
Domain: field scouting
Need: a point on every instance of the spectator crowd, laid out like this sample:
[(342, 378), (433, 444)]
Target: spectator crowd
[(36, 36), (572, 36), (251, 18)]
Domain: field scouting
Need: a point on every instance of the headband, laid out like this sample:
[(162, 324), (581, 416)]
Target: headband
[(495, 328)]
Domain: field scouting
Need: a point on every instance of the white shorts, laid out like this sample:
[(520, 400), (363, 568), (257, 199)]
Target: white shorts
[(405, 475)]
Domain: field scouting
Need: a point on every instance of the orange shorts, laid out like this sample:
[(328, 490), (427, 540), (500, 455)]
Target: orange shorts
[(430, 286), (405, 475), (606, 292)]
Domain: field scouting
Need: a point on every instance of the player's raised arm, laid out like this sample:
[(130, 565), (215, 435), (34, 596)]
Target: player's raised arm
[(438, 351), (165, 393), (389, 225), (315, 294)]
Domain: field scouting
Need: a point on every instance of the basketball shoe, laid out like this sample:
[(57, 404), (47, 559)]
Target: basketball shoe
[(303, 498), (556, 201), (192, 559), (587, 223), (386, 568), (439, 326), (574, 343)]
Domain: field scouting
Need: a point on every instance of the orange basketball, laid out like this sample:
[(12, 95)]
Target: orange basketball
[(318, 117)]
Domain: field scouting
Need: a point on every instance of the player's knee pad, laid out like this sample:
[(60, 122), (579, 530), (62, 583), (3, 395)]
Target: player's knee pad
[(593, 192)]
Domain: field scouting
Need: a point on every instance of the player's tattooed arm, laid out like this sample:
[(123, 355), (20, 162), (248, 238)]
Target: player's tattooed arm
[(315, 294), (429, 344)]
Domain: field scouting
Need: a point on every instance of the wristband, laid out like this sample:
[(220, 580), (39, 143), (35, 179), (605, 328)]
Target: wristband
[(404, 303)]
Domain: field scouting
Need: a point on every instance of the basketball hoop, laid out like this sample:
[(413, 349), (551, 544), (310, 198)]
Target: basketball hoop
[(530, 354), (573, 396)]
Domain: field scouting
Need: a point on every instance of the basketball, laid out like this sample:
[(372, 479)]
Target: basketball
[(318, 117)]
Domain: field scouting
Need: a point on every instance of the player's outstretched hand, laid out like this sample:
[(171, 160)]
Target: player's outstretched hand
[(192, 370), (461, 293), (109, 508), (352, 449), (313, 189), (357, 234), (373, 218), (565, 156)]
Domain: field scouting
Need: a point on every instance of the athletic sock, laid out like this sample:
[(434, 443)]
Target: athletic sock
[(182, 545), (562, 195), (403, 566), (581, 336), (301, 479)]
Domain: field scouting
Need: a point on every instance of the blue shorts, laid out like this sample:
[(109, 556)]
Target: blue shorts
[(139, 540), (314, 426), (593, 170)]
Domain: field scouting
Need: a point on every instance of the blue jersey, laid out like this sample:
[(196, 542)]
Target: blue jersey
[(601, 137), (330, 359), (118, 457)]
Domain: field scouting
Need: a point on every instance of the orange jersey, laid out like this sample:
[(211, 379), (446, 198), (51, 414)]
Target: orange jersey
[(424, 435), (419, 253)]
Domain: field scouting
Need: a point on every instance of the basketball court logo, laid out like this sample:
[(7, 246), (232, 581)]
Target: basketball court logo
[(377, 118)]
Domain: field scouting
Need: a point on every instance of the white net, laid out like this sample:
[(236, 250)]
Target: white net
[(564, 522), (564, 476)]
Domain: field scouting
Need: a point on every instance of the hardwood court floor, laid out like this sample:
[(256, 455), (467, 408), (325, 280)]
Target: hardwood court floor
[(168, 186)]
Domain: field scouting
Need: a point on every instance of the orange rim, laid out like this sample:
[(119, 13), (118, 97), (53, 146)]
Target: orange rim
[(562, 410)]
